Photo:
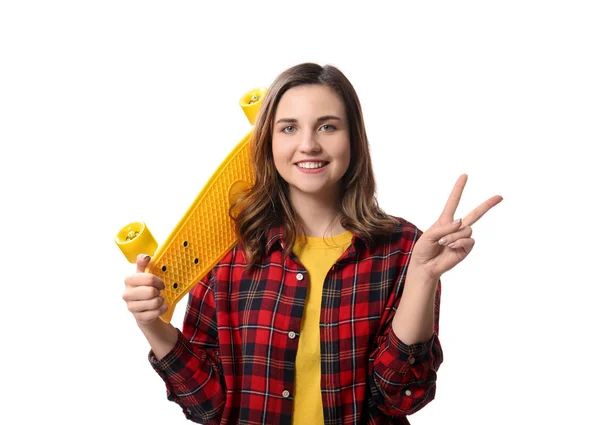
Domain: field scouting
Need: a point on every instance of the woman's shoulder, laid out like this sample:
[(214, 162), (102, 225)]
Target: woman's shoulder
[(403, 227), (235, 256), (403, 233)]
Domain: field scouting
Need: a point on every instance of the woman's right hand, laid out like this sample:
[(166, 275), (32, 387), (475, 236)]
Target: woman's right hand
[(142, 293)]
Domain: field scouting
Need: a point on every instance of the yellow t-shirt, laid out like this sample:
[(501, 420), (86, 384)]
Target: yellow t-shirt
[(317, 255)]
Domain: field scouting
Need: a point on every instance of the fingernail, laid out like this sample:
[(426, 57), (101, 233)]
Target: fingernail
[(451, 244), (443, 241), (458, 220), (147, 258)]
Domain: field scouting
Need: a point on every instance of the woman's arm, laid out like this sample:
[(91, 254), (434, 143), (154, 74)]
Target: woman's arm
[(191, 368), (161, 336), (409, 353), (413, 322)]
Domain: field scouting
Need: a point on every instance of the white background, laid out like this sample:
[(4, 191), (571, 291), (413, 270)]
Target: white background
[(119, 111)]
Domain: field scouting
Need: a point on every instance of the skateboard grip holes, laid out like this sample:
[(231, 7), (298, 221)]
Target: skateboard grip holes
[(185, 244), (164, 268), (196, 261), (175, 285)]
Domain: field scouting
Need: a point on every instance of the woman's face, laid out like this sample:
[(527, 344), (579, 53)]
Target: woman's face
[(311, 140)]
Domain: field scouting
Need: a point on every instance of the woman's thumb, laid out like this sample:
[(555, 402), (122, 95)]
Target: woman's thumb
[(142, 262)]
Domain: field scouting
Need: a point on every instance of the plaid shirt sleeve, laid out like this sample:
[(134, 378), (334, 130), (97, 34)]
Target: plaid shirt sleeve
[(192, 371), (403, 377)]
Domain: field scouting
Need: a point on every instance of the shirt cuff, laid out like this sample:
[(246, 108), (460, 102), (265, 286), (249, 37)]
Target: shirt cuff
[(414, 354), (179, 365)]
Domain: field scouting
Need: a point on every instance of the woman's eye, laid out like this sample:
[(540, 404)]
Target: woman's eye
[(290, 129)]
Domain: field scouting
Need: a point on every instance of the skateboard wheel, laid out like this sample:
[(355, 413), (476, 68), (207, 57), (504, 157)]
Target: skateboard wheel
[(236, 191), (135, 239), (251, 101)]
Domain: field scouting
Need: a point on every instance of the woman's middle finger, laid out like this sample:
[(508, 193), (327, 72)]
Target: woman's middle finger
[(140, 293), (139, 306), (463, 232)]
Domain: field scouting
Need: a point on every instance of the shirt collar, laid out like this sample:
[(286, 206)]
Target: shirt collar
[(275, 240)]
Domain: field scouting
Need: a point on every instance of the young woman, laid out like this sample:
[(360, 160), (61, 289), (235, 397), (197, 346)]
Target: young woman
[(327, 310)]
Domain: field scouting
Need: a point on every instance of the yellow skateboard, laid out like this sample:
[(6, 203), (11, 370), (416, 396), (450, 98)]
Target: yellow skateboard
[(205, 233)]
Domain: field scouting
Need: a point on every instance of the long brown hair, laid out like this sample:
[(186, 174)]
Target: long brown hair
[(268, 204)]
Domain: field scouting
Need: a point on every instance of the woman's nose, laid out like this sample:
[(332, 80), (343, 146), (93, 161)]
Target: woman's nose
[(309, 142)]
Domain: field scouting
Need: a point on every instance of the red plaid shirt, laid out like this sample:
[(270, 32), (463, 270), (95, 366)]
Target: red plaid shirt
[(234, 360)]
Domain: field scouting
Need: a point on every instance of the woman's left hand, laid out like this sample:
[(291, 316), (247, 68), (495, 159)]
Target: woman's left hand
[(448, 242)]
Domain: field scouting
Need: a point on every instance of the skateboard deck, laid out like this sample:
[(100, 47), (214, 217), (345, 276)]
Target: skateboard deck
[(205, 234)]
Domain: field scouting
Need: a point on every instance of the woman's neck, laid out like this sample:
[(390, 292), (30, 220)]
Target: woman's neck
[(320, 216)]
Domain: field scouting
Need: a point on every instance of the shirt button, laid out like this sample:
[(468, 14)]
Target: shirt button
[(411, 360), (408, 392), (285, 393), (299, 276), (291, 334)]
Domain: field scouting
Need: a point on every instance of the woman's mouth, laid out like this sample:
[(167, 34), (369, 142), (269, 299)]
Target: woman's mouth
[(311, 167)]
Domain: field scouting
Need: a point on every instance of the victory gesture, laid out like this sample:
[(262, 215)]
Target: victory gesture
[(448, 241)]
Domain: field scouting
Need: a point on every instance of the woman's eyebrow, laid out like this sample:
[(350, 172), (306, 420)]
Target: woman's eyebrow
[(320, 119)]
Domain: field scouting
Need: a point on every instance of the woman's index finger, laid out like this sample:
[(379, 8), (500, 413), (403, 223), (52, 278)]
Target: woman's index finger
[(480, 211)]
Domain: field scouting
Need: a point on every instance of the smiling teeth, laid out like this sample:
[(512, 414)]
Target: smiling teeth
[(311, 164)]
